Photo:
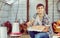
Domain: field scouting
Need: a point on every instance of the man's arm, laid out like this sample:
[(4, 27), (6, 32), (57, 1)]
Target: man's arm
[(47, 24), (30, 23)]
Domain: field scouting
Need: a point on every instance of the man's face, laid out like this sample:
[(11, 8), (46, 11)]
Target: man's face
[(40, 9)]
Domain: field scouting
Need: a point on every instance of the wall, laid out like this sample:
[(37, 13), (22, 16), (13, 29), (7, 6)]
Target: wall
[(19, 9), (4, 11), (33, 4), (8, 12), (56, 13)]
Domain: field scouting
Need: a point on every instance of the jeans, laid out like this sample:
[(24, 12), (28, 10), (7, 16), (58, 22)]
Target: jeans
[(34, 34)]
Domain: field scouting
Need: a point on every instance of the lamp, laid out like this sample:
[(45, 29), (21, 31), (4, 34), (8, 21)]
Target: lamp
[(3, 32), (15, 26), (15, 29)]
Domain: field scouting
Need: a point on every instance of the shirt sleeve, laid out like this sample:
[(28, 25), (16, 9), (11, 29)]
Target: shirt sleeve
[(33, 18), (47, 20)]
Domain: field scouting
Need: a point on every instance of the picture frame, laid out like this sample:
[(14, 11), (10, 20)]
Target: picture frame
[(29, 8)]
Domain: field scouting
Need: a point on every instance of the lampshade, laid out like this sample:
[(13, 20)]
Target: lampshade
[(15, 30), (3, 32)]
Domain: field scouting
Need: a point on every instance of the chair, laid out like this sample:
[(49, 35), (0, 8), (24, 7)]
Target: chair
[(23, 28), (55, 30), (8, 25)]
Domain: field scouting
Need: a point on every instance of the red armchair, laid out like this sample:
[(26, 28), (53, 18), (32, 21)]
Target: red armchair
[(8, 25), (23, 28), (56, 27)]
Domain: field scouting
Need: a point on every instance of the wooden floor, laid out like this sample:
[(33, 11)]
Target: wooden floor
[(25, 36), (22, 36)]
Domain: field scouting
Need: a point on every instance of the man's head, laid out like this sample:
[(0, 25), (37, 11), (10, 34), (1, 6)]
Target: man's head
[(40, 8)]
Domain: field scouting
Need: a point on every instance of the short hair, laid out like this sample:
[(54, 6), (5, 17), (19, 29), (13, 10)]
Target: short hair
[(39, 5)]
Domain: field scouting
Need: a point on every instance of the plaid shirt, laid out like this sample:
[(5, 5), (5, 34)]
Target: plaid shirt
[(45, 20)]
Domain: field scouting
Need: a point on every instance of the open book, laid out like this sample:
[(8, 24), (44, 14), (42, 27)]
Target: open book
[(36, 28)]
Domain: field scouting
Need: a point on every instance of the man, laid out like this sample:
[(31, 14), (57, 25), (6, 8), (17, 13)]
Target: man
[(40, 18)]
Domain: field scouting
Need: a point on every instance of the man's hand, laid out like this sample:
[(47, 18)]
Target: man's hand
[(46, 29), (30, 23)]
